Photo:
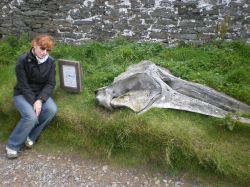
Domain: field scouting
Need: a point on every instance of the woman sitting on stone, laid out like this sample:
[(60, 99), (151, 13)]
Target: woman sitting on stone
[(35, 74)]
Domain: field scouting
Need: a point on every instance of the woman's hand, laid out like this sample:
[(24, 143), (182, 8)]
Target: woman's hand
[(37, 106)]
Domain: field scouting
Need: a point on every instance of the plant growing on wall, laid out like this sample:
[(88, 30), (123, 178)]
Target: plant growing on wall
[(222, 28)]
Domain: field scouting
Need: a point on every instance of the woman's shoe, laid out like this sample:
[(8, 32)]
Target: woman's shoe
[(29, 143), (11, 153)]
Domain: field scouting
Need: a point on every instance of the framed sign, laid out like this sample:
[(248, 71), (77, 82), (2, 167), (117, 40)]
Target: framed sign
[(70, 74)]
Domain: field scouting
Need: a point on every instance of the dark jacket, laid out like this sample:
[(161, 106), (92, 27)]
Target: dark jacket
[(34, 81)]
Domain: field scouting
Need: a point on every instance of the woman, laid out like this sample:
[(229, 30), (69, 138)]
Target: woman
[(35, 74)]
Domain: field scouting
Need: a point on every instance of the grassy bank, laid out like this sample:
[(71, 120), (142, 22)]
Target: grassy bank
[(172, 141)]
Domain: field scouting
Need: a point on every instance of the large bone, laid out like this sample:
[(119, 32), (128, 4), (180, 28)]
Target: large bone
[(145, 85)]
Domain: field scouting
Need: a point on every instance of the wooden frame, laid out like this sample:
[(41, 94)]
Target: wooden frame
[(70, 74)]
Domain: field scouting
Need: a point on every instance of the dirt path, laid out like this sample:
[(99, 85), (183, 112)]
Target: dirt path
[(38, 169)]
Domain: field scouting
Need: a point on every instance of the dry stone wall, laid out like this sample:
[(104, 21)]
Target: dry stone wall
[(168, 21)]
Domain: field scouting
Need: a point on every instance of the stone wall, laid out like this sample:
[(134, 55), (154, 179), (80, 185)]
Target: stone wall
[(167, 21)]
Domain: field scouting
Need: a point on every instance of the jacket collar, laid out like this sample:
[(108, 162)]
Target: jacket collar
[(32, 58)]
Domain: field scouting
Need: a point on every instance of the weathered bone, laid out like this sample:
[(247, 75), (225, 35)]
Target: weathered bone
[(145, 85)]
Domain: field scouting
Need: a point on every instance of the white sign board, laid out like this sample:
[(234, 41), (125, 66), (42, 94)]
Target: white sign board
[(70, 73)]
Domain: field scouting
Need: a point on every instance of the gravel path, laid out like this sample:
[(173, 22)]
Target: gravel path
[(38, 169)]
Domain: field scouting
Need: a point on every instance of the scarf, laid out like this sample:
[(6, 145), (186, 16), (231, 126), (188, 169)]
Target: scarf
[(42, 60)]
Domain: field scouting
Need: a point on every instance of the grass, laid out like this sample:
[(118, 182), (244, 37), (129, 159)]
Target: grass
[(176, 142)]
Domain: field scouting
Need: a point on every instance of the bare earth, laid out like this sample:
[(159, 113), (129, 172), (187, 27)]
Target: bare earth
[(32, 168)]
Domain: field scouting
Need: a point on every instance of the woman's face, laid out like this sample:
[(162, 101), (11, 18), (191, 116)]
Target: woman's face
[(40, 52)]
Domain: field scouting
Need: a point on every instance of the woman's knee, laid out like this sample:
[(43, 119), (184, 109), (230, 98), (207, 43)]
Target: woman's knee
[(30, 118), (52, 109), (50, 106)]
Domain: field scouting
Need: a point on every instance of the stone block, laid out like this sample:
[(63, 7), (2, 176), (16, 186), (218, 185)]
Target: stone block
[(159, 35), (162, 13)]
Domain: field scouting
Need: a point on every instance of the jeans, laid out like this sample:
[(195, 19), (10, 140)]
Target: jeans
[(30, 125)]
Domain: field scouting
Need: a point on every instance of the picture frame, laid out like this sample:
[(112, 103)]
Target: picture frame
[(70, 75)]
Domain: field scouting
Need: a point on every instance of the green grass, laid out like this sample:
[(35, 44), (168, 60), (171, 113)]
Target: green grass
[(176, 142)]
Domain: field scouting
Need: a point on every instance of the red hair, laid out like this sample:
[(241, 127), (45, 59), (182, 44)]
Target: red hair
[(43, 40)]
